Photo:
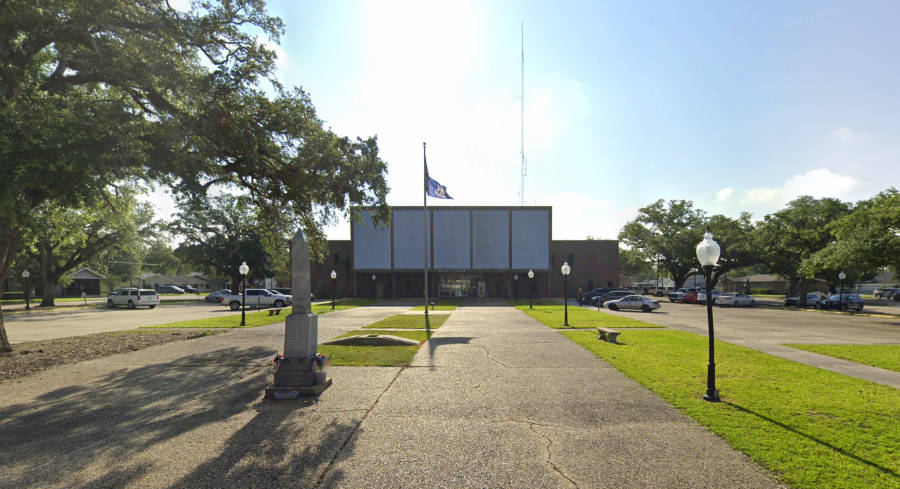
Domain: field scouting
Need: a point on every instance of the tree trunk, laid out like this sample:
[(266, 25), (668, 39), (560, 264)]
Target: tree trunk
[(48, 298), (8, 241), (47, 282), (802, 292)]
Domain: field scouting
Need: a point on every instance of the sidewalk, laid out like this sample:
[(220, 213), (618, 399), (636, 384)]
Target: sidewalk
[(494, 400)]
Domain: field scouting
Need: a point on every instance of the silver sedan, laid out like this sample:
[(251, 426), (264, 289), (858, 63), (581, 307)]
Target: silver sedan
[(638, 302)]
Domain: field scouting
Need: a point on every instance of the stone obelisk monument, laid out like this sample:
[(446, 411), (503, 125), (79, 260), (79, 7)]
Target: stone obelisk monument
[(296, 374)]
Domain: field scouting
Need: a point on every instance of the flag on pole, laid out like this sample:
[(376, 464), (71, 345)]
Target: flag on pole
[(433, 188)]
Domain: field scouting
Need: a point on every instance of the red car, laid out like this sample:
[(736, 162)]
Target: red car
[(690, 297)]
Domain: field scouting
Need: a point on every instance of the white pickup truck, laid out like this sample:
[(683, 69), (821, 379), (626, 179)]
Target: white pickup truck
[(256, 298), (132, 298)]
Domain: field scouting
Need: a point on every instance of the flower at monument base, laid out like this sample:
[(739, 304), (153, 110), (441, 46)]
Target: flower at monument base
[(276, 362), (320, 361)]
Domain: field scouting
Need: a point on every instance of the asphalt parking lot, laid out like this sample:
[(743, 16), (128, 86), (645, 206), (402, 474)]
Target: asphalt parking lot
[(64, 322), (778, 326)]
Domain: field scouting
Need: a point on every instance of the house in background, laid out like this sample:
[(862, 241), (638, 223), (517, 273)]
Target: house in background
[(84, 280), (201, 283)]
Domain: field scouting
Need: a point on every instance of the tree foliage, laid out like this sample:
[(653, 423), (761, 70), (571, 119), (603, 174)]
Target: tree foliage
[(863, 242), (795, 233), (60, 240), (222, 232), (97, 92), (668, 234)]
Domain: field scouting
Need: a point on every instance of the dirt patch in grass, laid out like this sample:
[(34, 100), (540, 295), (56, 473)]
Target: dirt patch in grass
[(34, 356)]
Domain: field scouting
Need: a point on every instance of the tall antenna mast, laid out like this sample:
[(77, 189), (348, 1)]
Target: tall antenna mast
[(522, 118)]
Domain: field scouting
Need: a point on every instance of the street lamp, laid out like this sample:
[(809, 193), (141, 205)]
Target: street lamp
[(373, 290), (333, 276), (565, 269), (25, 275), (244, 269), (842, 276), (708, 254), (531, 289)]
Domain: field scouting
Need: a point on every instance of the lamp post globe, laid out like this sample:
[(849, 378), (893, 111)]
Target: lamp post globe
[(25, 275), (708, 255), (531, 289), (244, 269), (565, 269), (841, 276), (333, 276)]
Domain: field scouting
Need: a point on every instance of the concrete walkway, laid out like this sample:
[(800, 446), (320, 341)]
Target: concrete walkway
[(494, 400)]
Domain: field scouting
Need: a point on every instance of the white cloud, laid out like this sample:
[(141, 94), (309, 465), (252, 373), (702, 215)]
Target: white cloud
[(817, 183), (181, 5), (848, 136), (724, 194)]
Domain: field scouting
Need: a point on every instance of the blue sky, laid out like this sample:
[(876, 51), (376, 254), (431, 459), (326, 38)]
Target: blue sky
[(736, 106)]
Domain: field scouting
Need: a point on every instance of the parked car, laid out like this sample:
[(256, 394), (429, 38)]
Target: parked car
[(850, 301), (288, 294), (132, 298), (588, 297), (637, 302), (169, 289), (256, 297), (812, 300), (690, 297), (701, 296), (734, 299), (217, 296), (189, 288), (678, 295), (887, 293), (610, 296)]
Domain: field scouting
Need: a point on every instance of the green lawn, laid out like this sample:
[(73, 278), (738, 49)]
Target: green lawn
[(377, 356), (410, 321), (551, 314), (254, 319), (814, 428), (441, 305), (882, 356)]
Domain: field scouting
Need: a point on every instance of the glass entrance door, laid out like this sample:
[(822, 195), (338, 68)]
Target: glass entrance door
[(453, 285)]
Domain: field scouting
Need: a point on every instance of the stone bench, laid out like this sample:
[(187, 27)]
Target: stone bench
[(274, 312), (608, 335)]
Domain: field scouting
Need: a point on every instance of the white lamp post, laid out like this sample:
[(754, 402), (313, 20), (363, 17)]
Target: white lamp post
[(373, 292), (565, 269), (531, 289), (708, 254), (842, 276), (244, 269), (333, 276), (516, 287), (25, 275)]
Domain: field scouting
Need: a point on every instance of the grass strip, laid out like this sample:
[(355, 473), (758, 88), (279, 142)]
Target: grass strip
[(552, 314), (814, 428), (254, 319), (373, 356), (881, 356), (410, 321)]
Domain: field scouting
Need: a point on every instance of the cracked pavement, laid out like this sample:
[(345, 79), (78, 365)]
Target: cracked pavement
[(495, 399)]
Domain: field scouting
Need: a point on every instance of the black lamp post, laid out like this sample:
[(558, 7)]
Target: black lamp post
[(244, 269), (25, 275), (565, 269), (842, 276), (333, 276), (373, 288), (531, 289), (708, 254)]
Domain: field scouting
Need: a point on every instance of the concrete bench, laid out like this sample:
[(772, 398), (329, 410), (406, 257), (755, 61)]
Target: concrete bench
[(608, 335), (274, 312)]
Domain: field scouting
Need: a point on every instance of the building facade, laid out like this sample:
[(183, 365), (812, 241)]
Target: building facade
[(470, 251)]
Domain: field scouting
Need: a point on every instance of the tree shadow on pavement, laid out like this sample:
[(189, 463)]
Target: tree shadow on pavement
[(121, 418)]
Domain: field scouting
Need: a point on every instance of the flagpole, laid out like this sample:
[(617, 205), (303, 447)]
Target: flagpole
[(425, 229)]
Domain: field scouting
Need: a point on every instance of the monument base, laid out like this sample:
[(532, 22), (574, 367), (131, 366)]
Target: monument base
[(285, 393)]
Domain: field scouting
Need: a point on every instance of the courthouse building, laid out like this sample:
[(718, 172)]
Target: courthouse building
[(471, 251)]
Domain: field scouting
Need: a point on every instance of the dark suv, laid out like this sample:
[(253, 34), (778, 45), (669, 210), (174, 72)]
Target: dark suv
[(610, 296), (587, 297)]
